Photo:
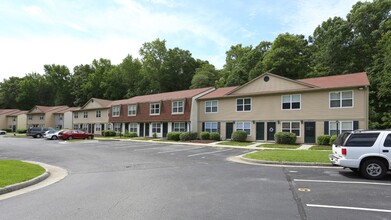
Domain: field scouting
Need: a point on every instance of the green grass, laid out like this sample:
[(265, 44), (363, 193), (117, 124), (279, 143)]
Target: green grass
[(235, 143), (15, 171), (320, 147), (291, 156), (143, 138), (286, 146), (164, 140), (11, 135)]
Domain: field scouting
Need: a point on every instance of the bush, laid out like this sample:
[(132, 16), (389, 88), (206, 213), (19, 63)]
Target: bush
[(21, 131), (214, 136), (187, 136), (7, 129), (204, 135), (109, 133), (323, 140), (154, 135), (193, 135), (130, 135), (332, 139), (174, 136), (239, 136), (285, 138)]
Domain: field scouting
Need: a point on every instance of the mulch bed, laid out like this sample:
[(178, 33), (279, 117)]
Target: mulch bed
[(202, 141)]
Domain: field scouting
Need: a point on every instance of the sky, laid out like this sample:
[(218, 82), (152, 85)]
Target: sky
[(38, 32)]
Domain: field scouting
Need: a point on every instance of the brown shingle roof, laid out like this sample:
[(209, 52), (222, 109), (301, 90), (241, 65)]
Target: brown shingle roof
[(219, 92), (8, 111), (45, 109), (347, 80), (162, 96)]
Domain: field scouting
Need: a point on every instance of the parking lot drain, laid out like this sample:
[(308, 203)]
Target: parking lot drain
[(304, 190)]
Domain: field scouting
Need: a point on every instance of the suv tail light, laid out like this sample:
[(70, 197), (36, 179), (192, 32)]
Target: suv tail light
[(344, 151)]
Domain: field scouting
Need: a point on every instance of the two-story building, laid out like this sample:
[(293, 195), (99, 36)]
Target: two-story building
[(12, 119), (271, 103), (157, 113), (93, 116), (47, 116)]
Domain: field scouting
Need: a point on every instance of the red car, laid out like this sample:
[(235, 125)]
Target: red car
[(74, 134)]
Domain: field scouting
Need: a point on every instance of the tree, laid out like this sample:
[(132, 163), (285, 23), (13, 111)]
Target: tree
[(80, 86), (288, 56), (33, 90), (9, 90), (59, 77), (204, 76)]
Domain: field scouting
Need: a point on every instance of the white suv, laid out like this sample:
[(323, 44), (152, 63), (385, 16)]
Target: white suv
[(365, 151)]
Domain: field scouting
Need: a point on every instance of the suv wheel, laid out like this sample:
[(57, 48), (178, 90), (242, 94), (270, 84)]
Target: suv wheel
[(38, 135), (373, 169), (54, 137)]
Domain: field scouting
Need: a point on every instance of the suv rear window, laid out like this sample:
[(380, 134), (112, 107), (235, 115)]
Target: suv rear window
[(362, 139)]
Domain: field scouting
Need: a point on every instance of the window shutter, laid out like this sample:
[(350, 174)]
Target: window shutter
[(203, 126), (326, 127), (186, 126), (218, 127), (355, 125)]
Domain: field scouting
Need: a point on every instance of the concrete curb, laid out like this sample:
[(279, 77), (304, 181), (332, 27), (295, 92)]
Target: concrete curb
[(27, 183), (285, 163)]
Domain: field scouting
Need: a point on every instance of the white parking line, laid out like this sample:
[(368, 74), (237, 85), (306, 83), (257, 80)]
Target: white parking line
[(348, 207), (186, 149), (148, 148), (211, 152), (342, 182)]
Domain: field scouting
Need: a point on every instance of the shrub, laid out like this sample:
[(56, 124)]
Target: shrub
[(214, 136), (193, 135), (239, 136), (154, 135), (187, 136), (130, 135), (7, 129), (174, 136), (204, 135), (332, 139), (109, 133), (285, 138), (323, 140), (21, 131)]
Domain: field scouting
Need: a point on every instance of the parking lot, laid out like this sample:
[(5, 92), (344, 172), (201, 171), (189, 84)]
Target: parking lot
[(199, 180)]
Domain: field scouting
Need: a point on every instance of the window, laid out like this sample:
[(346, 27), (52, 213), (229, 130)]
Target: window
[(211, 127), (244, 126), (60, 117), (179, 127), (98, 113), (243, 105), (211, 106), (132, 110), (133, 127), (30, 117), (342, 127), (41, 117), (155, 109), (156, 128), (76, 115), (343, 99), (75, 126), (291, 127), (177, 107), (362, 140), (85, 114), (291, 101), (117, 127), (387, 142), (115, 110), (98, 127)]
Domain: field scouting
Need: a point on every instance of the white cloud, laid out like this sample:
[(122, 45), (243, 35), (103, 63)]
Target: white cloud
[(33, 10)]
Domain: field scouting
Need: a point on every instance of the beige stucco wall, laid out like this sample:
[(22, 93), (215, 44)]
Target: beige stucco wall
[(314, 107), (21, 121), (92, 119)]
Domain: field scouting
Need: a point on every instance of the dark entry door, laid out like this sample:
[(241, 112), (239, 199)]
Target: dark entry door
[(260, 131), (309, 132), (146, 129), (141, 129), (271, 130), (229, 128), (165, 129)]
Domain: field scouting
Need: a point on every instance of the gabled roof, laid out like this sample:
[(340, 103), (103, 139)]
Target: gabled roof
[(67, 110), (104, 103), (162, 96), (219, 92), (45, 109), (8, 111), (16, 113), (337, 81)]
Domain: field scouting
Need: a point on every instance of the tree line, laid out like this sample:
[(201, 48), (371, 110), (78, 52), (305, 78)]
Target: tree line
[(360, 42)]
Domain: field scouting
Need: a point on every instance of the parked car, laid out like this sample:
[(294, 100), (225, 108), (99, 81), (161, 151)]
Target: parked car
[(2, 132), (74, 134), (367, 152), (52, 134), (37, 132)]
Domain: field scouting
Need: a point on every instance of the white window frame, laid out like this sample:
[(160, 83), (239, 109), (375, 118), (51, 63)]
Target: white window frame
[(41, 117), (30, 117), (251, 101), (98, 127), (85, 114), (153, 110), (156, 127), (291, 127), (98, 113), (117, 127), (132, 110), (115, 111), (211, 126), (290, 102), (76, 115), (179, 127), (133, 128), (175, 107), (341, 99), (243, 123), (209, 105), (340, 130)]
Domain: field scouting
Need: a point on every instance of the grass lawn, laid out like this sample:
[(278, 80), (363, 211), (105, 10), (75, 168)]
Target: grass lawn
[(11, 135), (235, 143), (291, 156), (286, 146), (320, 147), (143, 138), (15, 171)]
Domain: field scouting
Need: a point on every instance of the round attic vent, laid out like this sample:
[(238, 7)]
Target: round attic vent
[(266, 78)]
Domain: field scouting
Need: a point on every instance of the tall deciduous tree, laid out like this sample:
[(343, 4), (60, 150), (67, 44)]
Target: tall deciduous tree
[(59, 77), (9, 90), (205, 76)]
